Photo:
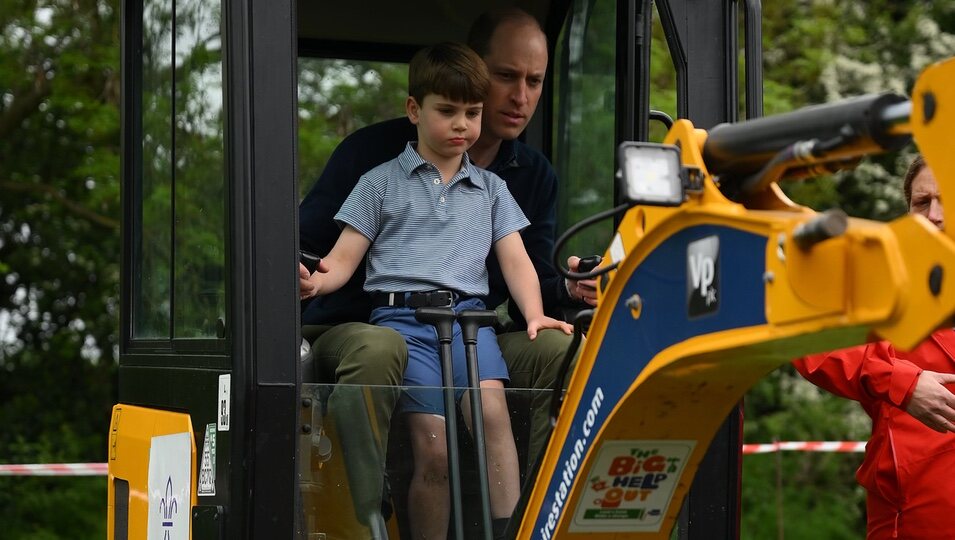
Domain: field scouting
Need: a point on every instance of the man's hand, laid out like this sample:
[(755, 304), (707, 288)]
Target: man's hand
[(932, 403), (584, 290)]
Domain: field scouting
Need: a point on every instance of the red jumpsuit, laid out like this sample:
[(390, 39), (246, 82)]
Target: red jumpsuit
[(909, 469)]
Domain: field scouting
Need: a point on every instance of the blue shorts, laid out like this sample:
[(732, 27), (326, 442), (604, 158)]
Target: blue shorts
[(423, 374)]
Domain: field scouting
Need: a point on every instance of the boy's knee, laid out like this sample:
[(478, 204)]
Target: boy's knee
[(497, 417), (432, 463)]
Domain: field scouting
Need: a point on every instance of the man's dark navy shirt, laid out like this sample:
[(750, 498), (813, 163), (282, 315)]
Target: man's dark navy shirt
[(529, 177)]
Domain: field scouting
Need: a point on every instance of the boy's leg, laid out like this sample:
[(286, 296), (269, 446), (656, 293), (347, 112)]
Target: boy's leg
[(353, 355), (502, 467), (536, 364), (429, 507)]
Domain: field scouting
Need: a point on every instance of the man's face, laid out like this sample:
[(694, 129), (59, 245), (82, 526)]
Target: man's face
[(517, 61), (926, 199)]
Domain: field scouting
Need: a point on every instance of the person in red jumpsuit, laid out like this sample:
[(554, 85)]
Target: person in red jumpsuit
[(909, 467)]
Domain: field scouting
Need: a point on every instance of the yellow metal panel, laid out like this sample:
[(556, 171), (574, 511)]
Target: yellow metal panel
[(923, 249), (933, 115), (686, 392), (131, 432), (794, 290)]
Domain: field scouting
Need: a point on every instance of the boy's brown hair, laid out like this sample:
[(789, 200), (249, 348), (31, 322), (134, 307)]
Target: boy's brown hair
[(450, 70)]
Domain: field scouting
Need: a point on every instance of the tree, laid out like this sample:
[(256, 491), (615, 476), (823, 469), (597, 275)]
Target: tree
[(59, 255)]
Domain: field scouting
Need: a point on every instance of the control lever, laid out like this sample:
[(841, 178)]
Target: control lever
[(309, 260)]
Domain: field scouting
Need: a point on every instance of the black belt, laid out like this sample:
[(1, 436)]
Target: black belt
[(443, 298)]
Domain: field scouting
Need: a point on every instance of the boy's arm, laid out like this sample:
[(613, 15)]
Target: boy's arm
[(522, 282), (340, 263)]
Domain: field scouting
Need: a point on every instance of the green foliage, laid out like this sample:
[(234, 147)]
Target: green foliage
[(59, 255), (816, 491), (584, 111), (338, 97)]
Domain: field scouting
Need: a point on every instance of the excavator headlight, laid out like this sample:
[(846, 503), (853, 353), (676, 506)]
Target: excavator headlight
[(651, 173)]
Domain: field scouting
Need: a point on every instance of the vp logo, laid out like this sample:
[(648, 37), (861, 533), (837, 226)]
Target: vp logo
[(701, 271), (703, 276)]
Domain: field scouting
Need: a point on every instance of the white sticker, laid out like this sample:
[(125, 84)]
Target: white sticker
[(617, 252), (207, 469), (169, 487), (224, 408), (630, 486)]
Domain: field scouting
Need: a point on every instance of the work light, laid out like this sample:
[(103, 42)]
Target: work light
[(651, 173)]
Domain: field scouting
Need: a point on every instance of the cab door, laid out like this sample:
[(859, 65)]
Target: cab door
[(209, 312)]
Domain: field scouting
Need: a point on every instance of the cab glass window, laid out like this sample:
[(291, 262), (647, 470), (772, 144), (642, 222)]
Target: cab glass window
[(336, 97), (178, 278), (584, 105), (152, 252), (200, 195)]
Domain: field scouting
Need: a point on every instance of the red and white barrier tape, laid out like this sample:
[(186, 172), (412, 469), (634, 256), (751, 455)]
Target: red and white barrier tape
[(100, 469), (54, 469), (805, 446)]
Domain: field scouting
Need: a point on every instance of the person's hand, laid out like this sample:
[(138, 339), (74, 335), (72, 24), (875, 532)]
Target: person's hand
[(306, 289), (584, 290), (309, 285), (932, 403), (540, 323)]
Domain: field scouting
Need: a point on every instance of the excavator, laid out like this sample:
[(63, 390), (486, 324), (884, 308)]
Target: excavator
[(715, 278), (712, 278)]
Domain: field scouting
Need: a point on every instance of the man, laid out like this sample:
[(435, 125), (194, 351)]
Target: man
[(350, 351), (909, 459)]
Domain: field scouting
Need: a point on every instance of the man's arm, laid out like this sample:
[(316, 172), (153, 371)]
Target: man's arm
[(874, 372), (865, 373)]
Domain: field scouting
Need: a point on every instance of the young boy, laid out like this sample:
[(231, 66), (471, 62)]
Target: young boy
[(428, 220)]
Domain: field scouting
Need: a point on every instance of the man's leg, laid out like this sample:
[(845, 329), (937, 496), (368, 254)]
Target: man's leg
[(366, 363), (536, 364)]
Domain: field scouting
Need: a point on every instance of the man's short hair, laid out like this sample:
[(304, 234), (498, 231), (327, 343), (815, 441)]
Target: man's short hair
[(914, 169), (450, 70), (482, 29)]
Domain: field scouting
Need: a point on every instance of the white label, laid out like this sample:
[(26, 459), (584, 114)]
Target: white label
[(207, 469), (630, 486), (225, 405), (169, 487), (617, 252)]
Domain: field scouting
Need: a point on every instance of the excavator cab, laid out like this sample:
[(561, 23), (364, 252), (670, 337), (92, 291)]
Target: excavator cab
[(710, 280)]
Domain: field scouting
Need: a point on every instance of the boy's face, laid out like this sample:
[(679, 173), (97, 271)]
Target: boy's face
[(446, 128)]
